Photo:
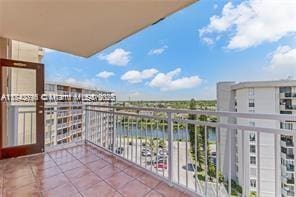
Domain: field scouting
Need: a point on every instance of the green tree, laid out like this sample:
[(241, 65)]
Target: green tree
[(152, 145), (204, 138), (252, 194), (195, 136), (161, 143)]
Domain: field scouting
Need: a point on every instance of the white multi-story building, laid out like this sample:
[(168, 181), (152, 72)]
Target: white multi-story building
[(65, 121), (269, 97)]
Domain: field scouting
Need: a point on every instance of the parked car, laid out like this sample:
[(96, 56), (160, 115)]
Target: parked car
[(162, 152), (146, 152), (213, 157), (161, 157), (119, 150), (161, 165), (110, 147)]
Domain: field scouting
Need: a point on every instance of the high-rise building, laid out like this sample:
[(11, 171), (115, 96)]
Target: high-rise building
[(274, 154)]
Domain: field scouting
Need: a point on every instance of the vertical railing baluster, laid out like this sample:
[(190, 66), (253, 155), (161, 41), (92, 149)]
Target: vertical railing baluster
[(217, 130), (163, 137), (132, 140), (31, 129), (146, 145), (125, 139), (86, 125), (229, 161), (195, 156), (152, 141), (106, 131), (276, 162), (114, 129), (141, 142), (24, 129), (186, 152), (157, 148), (137, 127), (178, 152), (258, 162), (206, 159), (120, 139), (243, 163), (50, 127), (170, 146)]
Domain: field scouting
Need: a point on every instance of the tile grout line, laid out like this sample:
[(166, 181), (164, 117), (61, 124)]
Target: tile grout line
[(136, 178), (121, 170), (64, 173)]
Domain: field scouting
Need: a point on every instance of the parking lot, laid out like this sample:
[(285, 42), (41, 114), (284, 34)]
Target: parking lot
[(183, 172)]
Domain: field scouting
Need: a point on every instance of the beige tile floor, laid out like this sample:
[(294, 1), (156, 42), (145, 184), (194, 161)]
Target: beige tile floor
[(81, 170)]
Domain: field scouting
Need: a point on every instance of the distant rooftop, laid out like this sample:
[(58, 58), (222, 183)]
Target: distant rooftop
[(77, 86), (264, 84)]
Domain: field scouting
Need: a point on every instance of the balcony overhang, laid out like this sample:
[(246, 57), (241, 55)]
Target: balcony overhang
[(80, 27)]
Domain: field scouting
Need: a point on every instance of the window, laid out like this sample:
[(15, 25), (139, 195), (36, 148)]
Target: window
[(287, 125), (252, 149), (253, 160), (253, 182), (251, 110), (285, 89), (252, 137), (285, 112), (252, 123), (251, 91), (251, 102), (49, 87)]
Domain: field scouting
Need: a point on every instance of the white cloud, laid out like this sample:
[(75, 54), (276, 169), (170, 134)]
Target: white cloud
[(119, 57), (105, 74), (166, 82), (134, 76), (252, 22), (158, 51), (282, 63)]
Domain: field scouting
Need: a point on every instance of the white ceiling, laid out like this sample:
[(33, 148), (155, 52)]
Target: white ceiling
[(80, 27)]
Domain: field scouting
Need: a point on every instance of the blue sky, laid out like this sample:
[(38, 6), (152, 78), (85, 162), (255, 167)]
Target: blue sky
[(185, 55)]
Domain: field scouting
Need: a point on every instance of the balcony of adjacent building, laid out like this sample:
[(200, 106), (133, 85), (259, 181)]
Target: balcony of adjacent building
[(288, 190), (287, 104), (290, 180), (287, 92)]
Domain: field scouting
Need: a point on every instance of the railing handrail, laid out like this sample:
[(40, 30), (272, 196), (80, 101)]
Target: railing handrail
[(264, 116)]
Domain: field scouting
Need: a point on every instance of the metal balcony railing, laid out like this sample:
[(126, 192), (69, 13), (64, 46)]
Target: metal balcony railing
[(170, 144), (164, 144)]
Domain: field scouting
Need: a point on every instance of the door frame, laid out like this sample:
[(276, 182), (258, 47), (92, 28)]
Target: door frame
[(8, 152)]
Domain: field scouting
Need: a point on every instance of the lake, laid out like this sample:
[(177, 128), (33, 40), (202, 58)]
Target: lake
[(159, 133)]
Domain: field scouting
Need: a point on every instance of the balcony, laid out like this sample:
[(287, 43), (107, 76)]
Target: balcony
[(157, 145), (290, 156), (62, 125), (63, 114), (79, 170), (290, 168), (289, 143), (290, 95), (290, 180)]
